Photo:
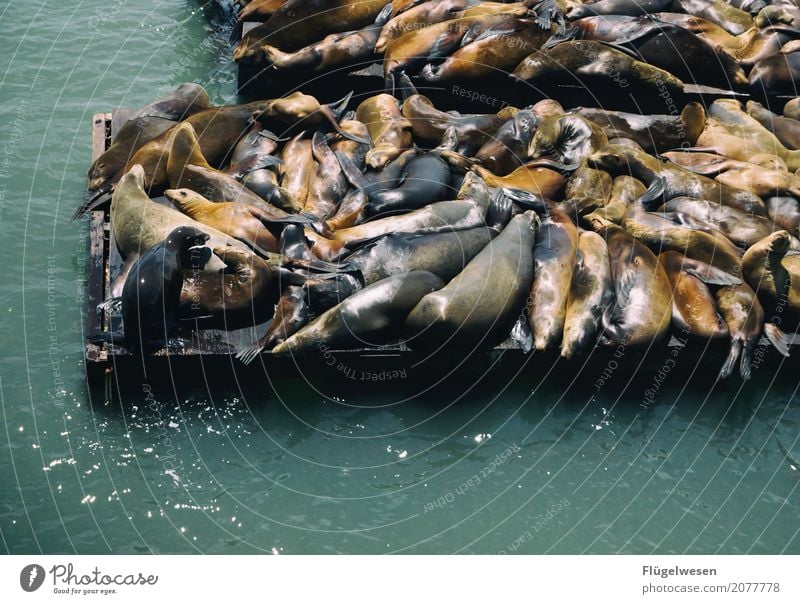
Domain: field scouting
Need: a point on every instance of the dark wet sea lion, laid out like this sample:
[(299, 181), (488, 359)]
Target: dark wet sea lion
[(242, 296), (389, 301), (291, 314), (298, 23), (241, 221), (417, 18), (642, 308), (785, 213), (786, 130), (741, 228), (672, 180), (618, 7), (495, 52), (589, 63), (590, 293), (569, 139), (146, 124), (655, 133), (335, 51), (389, 130), (473, 130), (694, 311), (777, 74), (669, 47), (508, 148), (728, 17), (152, 290), (481, 304)]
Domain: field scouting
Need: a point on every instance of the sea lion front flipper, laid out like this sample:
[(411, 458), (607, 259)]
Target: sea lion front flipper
[(251, 164), (267, 218), (117, 283), (777, 338), (654, 193), (407, 88), (708, 274), (730, 362), (522, 334)]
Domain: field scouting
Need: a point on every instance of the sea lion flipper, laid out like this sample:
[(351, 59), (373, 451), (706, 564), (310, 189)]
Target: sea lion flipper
[(522, 334), (730, 362), (777, 338), (652, 197), (708, 274), (352, 173)]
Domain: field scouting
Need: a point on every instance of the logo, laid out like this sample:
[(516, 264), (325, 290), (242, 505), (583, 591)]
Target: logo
[(31, 577)]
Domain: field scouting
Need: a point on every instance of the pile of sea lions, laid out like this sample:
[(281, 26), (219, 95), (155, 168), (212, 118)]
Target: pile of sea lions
[(643, 45), (360, 224)]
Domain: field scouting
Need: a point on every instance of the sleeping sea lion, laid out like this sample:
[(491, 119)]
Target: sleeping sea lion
[(569, 139), (786, 130), (617, 7), (417, 18), (730, 18), (625, 190), (389, 130), (508, 148)]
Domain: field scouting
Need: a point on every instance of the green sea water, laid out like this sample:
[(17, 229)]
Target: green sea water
[(530, 460)]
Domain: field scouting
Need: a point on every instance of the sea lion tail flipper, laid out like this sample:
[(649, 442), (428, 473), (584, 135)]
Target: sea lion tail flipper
[(407, 88), (708, 274), (94, 199), (456, 160), (745, 362), (565, 35), (352, 173), (730, 362), (339, 107), (500, 209), (384, 16), (330, 115), (526, 199), (654, 194), (777, 338), (266, 218), (247, 354), (522, 334)]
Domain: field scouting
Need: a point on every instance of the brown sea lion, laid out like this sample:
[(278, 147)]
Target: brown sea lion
[(529, 177), (508, 148), (668, 180), (655, 133), (625, 190), (144, 125), (590, 63), (777, 74), (772, 268), (419, 17), (248, 224), (792, 109), (347, 325), (291, 314), (587, 190), (569, 139), (480, 305), (259, 10), (590, 293), (297, 166), (617, 7), (389, 130), (786, 130), (327, 185), (694, 311), (642, 308), (730, 18)]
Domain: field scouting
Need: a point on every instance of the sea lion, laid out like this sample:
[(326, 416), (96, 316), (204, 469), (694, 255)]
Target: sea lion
[(777, 74), (389, 130), (588, 189), (730, 18), (529, 177), (241, 296), (742, 229), (473, 130), (553, 262), (772, 268), (655, 133), (481, 304), (291, 314), (188, 169), (625, 190), (139, 223), (152, 290), (297, 166), (792, 109), (768, 178), (144, 125), (617, 7), (508, 148), (710, 247), (259, 10), (328, 183), (249, 224), (591, 63), (419, 17), (335, 51), (298, 23), (785, 213), (569, 139), (474, 208), (495, 52), (642, 310), (785, 129), (590, 293), (389, 301), (668, 180), (669, 47), (694, 311)]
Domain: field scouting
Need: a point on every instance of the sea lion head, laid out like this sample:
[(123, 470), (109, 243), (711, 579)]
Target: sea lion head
[(189, 244), (568, 138)]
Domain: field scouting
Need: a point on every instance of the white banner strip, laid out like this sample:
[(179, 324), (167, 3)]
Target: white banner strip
[(400, 579)]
